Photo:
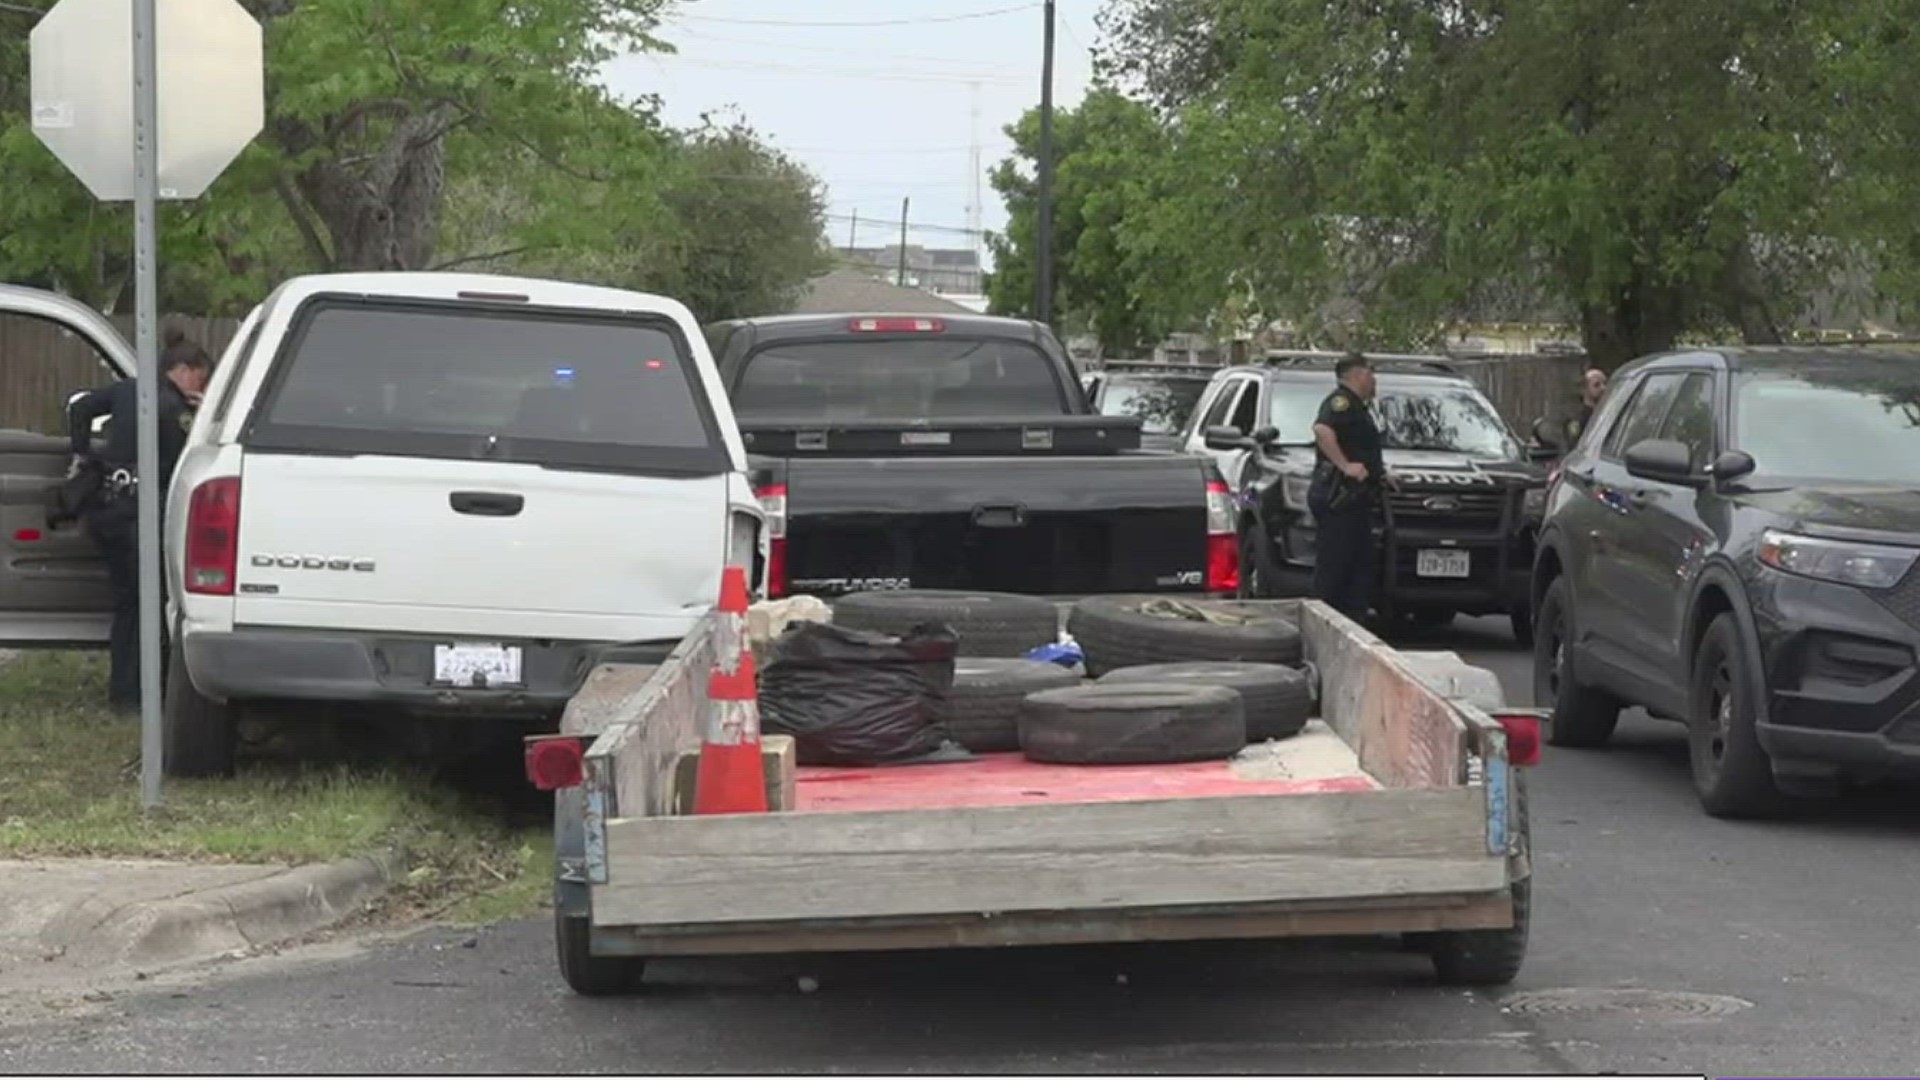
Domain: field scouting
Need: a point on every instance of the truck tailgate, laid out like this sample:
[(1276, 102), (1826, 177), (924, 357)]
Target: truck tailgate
[(1038, 525)]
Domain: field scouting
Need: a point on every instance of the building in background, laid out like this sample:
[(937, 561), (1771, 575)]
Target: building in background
[(946, 271)]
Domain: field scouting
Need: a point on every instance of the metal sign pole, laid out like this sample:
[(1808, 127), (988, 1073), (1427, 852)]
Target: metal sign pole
[(146, 169)]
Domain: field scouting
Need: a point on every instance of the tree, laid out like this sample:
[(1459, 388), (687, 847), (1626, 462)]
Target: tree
[(1657, 168), (1104, 178)]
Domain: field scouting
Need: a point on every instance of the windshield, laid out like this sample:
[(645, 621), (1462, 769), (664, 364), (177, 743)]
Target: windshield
[(1413, 414), (1855, 420), (941, 377), (1162, 404)]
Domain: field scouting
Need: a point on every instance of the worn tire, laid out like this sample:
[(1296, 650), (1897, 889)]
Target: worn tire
[(1732, 774), (1582, 716), (1491, 957), (1132, 724), (1276, 700), (198, 735), (982, 711), (988, 624), (589, 975), (1113, 633)]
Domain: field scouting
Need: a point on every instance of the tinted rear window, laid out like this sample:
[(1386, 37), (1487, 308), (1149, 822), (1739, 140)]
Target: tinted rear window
[(522, 386), (936, 377)]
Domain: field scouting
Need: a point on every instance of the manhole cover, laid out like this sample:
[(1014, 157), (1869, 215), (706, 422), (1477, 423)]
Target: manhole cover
[(1650, 1004)]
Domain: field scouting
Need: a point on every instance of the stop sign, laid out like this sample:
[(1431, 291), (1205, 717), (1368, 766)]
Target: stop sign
[(210, 91)]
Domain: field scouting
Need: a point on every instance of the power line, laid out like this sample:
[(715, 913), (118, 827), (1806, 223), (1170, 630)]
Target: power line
[(803, 24), (915, 225)]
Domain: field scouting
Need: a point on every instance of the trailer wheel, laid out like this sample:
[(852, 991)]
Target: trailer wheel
[(982, 711), (1277, 699), (1491, 957), (589, 975), (198, 734), (988, 624), (1132, 724), (1119, 632)]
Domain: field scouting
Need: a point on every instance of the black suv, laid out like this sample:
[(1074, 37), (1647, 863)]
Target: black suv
[(1732, 544), (1161, 395), (1458, 535)]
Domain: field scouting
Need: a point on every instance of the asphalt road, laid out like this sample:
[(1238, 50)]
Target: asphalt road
[(1801, 940)]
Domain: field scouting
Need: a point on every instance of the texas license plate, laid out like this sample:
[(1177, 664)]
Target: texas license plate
[(477, 665), (1443, 562)]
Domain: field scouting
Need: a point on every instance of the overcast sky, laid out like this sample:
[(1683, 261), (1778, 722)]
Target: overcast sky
[(875, 96)]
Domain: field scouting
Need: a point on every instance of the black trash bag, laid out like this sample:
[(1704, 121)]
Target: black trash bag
[(851, 697)]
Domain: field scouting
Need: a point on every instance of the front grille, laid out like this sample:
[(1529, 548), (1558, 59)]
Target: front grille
[(1444, 508), (1903, 599)]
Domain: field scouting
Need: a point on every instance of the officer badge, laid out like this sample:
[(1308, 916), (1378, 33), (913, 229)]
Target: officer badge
[(186, 421), (1340, 403)]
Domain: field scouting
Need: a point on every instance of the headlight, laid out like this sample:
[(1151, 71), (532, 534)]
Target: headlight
[(1294, 488), (1870, 566)]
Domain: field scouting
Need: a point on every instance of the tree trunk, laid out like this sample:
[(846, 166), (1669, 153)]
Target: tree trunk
[(1743, 295), (385, 216), (1642, 319)]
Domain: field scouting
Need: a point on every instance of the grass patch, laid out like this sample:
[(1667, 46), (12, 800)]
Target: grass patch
[(71, 788)]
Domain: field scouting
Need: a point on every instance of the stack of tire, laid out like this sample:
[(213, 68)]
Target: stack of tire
[(1171, 682)]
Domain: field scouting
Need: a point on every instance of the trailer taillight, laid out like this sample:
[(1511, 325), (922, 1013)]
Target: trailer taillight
[(1523, 737), (1223, 546), (556, 761), (773, 503)]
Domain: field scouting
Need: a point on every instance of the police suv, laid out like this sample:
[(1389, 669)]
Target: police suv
[(1457, 537)]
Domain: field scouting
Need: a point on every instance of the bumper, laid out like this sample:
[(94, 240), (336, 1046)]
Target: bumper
[(1497, 578), (1843, 673), (393, 670)]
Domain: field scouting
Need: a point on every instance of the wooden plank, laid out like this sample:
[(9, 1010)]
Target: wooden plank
[(1257, 849), (633, 756), (606, 697), (1405, 734), (1319, 918)]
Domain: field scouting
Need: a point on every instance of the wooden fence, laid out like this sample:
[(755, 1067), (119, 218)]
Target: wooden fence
[(1527, 386), (41, 363)]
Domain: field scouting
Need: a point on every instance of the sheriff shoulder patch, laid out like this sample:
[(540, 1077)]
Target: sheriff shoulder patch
[(1339, 403)]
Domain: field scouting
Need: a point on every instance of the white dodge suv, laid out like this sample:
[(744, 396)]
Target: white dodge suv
[(449, 494)]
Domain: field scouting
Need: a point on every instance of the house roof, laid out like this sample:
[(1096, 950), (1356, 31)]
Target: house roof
[(849, 290)]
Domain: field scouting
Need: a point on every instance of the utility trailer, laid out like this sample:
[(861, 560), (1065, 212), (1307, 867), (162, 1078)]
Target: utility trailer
[(1400, 810)]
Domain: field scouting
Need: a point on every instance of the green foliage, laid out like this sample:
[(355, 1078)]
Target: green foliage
[(1106, 155), (429, 134), (1648, 169)]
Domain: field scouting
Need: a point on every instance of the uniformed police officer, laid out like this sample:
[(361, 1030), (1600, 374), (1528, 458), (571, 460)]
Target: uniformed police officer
[(112, 518), (1347, 477), (1593, 387)]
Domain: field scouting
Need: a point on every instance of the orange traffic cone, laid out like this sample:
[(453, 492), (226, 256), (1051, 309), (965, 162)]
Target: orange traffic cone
[(730, 779)]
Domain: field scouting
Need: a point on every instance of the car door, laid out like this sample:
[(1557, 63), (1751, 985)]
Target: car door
[(1236, 407), (53, 582), (1213, 411), (1668, 537), (1608, 605)]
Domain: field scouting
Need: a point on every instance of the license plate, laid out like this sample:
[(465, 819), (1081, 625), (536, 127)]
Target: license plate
[(1442, 562), (476, 665)]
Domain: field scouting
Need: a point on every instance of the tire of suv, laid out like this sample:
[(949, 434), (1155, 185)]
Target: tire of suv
[(198, 734), (1582, 716), (1731, 773), (988, 624)]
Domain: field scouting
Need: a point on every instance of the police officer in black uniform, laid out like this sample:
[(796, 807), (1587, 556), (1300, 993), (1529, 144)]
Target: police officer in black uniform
[(1593, 387), (112, 517), (1347, 477)]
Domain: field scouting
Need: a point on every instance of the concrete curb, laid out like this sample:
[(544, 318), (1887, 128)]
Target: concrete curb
[(231, 918)]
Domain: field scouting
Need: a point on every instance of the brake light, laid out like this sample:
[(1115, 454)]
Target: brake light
[(773, 503), (213, 537), (1523, 738), (1223, 547), (897, 326), (556, 761), (497, 297)]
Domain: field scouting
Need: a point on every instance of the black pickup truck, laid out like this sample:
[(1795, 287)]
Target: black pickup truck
[(958, 452)]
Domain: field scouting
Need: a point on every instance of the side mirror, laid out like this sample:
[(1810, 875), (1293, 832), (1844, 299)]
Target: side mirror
[(1544, 435), (1663, 461), (1732, 465), (1266, 436), (1227, 437)]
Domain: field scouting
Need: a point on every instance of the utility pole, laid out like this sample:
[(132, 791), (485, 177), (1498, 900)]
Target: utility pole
[(1043, 235), (853, 234), (903, 241), (975, 209)]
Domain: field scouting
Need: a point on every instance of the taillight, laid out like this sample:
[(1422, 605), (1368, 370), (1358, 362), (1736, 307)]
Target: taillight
[(897, 326), (556, 761), (1523, 737), (773, 503), (1223, 547), (213, 537)]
